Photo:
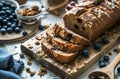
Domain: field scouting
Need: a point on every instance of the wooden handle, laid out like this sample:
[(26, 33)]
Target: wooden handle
[(115, 61)]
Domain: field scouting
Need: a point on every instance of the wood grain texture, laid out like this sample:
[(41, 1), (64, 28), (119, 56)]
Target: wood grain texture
[(31, 29), (80, 64)]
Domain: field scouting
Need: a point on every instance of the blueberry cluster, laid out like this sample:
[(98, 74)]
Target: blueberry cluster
[(102, 62), (8, 19)]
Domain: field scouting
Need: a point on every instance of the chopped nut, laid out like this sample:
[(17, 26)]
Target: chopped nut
[(30, 46), (37, 43), (21, 55), (32, 73), (42, 71), (29, 58), (28, 70), (29, 63)]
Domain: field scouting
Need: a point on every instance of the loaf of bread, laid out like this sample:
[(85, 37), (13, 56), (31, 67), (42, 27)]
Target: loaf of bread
[(58, 55), (95, 20), (65, 33), (61, 44)]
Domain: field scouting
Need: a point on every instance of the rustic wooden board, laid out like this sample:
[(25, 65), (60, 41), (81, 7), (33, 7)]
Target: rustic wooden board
[(31, 29), (79, 65)]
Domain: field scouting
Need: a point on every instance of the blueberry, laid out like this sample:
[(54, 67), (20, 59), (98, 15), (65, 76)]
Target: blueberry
[(7, 8), (118, 69), (13, 7), (79, 20), (5, 27), (3, 2), (85, 53), (106, 58), (14, 15), (20, 26), (3, 8), (56, 35), (102, 64), (1, 5), (105, 40), (76, 26), (54, 48), (101, 61), (4, 21), (3, 30), (41, 27), (7, 18), (8, 12), (0, 26), (17, 29), (9, 24), (24, 33), (13, 26), (9, 30), (69, 37), (8, 4), (11, 17), (97, 46), (1, 19), (2, 12), (15, 20), (13, 11)]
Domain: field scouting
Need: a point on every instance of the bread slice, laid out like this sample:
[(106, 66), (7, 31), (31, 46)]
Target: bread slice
[(62, 44), (63, 32), (58, 55)]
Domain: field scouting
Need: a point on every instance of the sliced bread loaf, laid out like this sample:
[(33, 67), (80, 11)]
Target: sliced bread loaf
[(65, 33), (93, 24), (61, 44), (58, 55)]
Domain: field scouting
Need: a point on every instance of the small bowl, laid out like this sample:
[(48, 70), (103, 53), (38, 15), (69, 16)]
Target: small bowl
[(27, 19)]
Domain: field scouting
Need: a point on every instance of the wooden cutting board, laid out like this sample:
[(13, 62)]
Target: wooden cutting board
[(79, 65), (31, 29)]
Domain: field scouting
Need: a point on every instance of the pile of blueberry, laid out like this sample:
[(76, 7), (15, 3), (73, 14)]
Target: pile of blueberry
[(8, 19)]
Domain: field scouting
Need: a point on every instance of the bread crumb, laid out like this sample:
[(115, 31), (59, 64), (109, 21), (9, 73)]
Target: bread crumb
[(110, 53), (21, 55)]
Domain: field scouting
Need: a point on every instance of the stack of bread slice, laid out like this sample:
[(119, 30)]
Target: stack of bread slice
[(62, 44), (80, 26)]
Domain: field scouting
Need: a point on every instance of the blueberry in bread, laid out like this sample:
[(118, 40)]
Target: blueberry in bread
[(65, 33), (58, 55), (95, 20), (61, 44)]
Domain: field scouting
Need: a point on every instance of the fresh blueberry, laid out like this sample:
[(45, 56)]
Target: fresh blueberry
[(118, 69), (101, 65), (85, 53), (4, 21), (9, 30), (4, 9), (1, 5), (15, 20), (54, 48), (7, 18), (8, 4), (3, 2), (9, 24), (11, 17), (97, 46), (0, 26), (13, 7), (3, 30), (8, 12), (24, 33), (20, 26), (105, 40), (2, 12), (106, 58), (101, 61), (1, 19), (13, 11), (69, 37), (5, 27), (41, 27), (14, 15), (13, 26), (17, 29), (7, 8)]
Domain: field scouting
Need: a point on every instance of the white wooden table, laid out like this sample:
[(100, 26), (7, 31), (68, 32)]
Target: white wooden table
[(14, 48)]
